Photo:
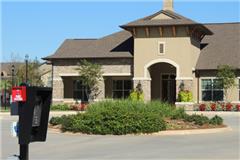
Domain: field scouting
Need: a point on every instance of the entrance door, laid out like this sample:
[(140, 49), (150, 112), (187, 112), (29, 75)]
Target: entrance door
[(169, 88)]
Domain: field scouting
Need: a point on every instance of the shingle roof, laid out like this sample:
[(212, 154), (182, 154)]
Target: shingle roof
[(117, 45), (175, 19), (221, 48), (148, 21)]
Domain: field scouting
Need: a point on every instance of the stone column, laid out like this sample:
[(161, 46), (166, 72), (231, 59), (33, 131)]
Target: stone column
[(58, 90), (188, 85), (101, 86), (146, 87)]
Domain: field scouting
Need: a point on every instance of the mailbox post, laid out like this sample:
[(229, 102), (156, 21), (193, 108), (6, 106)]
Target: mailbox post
[(32, 105)]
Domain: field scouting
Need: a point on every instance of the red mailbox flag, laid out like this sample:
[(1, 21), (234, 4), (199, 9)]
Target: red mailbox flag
[(19, 94)]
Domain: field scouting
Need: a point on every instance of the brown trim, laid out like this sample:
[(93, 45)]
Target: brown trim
[(160, 31), (134, 32), (187, 30), (174, 31), (147, 31)]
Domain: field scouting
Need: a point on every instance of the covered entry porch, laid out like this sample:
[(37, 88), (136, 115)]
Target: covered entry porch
[(163, 82), (110, 87)]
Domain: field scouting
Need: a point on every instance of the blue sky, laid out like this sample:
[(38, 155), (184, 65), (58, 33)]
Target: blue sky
[(38, 28)]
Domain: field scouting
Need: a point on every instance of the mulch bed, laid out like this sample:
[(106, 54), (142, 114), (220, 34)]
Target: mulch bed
[(182, 125)]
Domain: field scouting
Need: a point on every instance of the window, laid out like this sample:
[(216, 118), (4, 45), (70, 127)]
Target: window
[(121, 88), (161, 48), (80, 91), (212, 90)]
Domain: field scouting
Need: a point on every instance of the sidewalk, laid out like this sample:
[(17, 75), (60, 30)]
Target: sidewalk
[(225, 113), (52, 113)]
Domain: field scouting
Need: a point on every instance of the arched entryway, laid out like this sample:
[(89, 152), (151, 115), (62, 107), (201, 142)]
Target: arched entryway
[(163, 81)]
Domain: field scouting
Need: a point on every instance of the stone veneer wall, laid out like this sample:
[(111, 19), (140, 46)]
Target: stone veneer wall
[(68, 67), (188, 85), (146, 87)]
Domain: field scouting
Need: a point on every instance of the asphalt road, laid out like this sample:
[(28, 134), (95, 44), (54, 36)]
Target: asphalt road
[(217, 146)]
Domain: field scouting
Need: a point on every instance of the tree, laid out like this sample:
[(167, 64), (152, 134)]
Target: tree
[(90, 75), (5, 84), (227, 75), (34, 77)]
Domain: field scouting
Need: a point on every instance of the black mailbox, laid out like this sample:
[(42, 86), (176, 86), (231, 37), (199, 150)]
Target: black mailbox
[(34, 114)]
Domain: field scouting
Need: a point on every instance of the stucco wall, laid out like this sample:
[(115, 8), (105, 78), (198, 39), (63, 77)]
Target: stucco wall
[(179, 50)]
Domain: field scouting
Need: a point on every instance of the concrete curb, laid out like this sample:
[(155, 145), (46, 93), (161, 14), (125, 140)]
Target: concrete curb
[(214, 113), (60, 113), (161, 133)]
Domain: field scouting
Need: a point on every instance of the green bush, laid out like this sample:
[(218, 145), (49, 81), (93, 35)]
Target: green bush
[(57, 120), (136, 96), (122, 117), (197, 119), (117, 118), (60, 107), (179, 114), (216, 120), (185, 96)]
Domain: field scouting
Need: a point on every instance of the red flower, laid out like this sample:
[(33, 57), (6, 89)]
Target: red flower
[(213, 107), (238, 107), (229, 107), (223, 107), (202, 107)]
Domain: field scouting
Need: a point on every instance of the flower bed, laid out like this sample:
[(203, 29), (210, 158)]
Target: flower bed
[(131, 117), (217, 107), (66, 107)]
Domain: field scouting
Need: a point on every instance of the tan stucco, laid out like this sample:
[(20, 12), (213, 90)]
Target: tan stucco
[(184, 51)]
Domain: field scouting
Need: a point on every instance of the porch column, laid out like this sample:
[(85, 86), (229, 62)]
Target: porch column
[(58, 90), (101, 86), (187, 85), (146, 86)]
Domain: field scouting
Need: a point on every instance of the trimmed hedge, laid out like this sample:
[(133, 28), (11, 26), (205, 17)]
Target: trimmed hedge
[(60, 107), (118, 118), (122, 117), (216, 120)]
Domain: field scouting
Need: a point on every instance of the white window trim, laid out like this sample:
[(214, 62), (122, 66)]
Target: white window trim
[(164, 48), (200, 90)]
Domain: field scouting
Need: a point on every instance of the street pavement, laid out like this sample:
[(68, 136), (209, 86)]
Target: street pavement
[(219, 146)]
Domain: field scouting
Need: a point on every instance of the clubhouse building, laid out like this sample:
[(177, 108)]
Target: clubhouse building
[(162, 52)]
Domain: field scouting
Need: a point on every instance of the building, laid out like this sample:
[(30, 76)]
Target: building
[(162, 52)]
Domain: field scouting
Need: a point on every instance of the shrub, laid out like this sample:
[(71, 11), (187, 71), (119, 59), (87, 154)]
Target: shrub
[(197, 119), (185, 96), (136, 96), (216, 120), (202, 107), (60, 107), (229, 107), (178, 114), (237, 107), (208, 107), (117, 118), (163, 109), (57, 120), (219, 107), (213, 107)]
